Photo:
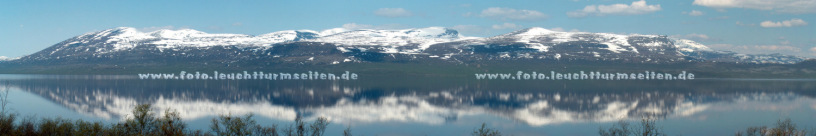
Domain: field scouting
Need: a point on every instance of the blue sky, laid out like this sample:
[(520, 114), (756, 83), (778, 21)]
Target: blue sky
[(747, 26)]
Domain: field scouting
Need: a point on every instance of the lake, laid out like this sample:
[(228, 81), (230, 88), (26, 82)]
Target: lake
[(430, 105)]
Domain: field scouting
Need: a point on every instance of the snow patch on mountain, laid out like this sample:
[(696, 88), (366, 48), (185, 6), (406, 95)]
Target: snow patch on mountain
[(690, 46), (192, 38), (4, 58), (392, 41), (542, 39), (423, 37), (333, 31), (124, 38), (616, 42), (531, 33)]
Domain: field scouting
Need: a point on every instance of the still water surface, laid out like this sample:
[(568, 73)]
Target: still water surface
[(430, 105)]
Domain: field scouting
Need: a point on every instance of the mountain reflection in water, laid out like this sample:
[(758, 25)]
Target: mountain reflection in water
[(440, 101)]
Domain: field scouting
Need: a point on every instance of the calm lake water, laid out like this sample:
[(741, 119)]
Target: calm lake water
[(431, 105)]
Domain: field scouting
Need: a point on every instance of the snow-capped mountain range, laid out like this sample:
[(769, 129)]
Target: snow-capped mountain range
[(342, 45)]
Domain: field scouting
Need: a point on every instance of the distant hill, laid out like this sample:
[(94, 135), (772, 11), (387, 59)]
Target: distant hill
[(128, 48)]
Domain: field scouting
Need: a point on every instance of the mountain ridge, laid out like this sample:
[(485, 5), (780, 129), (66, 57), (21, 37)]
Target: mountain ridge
[(372, 45)]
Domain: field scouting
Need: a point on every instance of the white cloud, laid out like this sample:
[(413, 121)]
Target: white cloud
[(506, 26), (744, 24), (214, 27), (718, 18), (813, 50), (154, 28), (355, 26), (468, 14), (470, 29), (392, 12), (785, 23), (784, 6), (694, 13), (636, 8), (512, 14), (785, 42), (696, 37), (564, 30)]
